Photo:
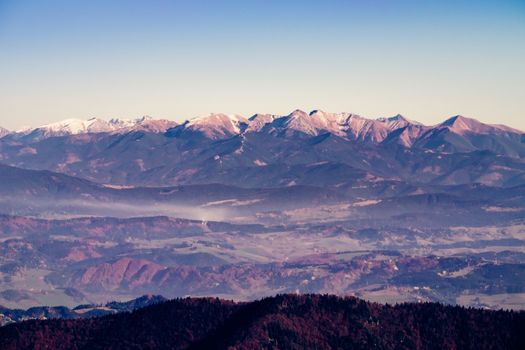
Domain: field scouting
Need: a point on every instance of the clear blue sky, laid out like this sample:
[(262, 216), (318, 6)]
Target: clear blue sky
[(177, 59)]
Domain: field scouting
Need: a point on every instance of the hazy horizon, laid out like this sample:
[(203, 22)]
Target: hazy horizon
[(175, 60)]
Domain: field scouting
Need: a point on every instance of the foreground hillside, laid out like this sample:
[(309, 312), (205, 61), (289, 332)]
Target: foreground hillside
[(281, 322)]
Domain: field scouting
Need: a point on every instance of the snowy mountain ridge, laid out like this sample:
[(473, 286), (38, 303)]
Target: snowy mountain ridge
[(397, 129)]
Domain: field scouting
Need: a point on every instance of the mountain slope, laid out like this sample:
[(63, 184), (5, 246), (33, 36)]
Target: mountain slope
[(35, 192), (33, 183), (460, 134)]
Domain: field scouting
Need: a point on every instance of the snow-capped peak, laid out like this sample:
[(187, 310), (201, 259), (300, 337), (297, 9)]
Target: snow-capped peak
[(144, 123), (76, 126), (318, 121), (217, 125), (396, 118), (310, 123), (130, 122)]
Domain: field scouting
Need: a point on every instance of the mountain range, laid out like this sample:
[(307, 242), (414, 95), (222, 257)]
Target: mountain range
[(457, 133), (316, 149)]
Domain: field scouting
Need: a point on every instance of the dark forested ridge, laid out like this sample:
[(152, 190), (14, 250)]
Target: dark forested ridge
[(281, 322)]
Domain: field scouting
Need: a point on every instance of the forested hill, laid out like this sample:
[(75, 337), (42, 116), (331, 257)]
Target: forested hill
[(281, 322)]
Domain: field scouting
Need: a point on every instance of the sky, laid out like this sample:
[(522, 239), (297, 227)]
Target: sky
[(426, 60)]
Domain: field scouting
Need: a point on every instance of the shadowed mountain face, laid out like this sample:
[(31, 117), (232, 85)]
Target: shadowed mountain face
[(67, 241), (316, 149), (33, 192), (282, 322)]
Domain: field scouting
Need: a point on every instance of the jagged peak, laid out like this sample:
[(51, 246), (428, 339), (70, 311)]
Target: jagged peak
[(395, 118), (318, 112), (133, 121), (144, 118), (217, 124), (214, 118), (258, 116)]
